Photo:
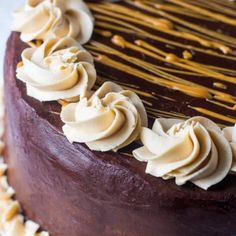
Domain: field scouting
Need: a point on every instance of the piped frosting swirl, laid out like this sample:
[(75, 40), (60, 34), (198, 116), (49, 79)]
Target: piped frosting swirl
[(58, 69), (43, 19), (194, 150), (230, 135), (109, 120)]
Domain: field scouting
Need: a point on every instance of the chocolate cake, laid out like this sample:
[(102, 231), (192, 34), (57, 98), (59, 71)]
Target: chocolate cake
[(179, 57)]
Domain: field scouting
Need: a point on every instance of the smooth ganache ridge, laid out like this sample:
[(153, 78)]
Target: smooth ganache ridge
[(44, 19), (111, 118)]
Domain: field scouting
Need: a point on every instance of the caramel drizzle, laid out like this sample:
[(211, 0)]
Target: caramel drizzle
[(179, 10), (101, 80), (214, 114), (153, 112), (205, 12), (228, 4), (207, 32), (161, 24), (114, 18), (210, 39), (177, 83), (211, 5), (142, 33)]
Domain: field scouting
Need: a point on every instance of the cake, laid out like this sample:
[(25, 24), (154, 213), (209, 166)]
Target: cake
[(178, 57)]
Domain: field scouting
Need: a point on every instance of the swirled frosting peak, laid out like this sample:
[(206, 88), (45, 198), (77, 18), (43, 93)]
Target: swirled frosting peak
[(109, 120), (230, 135), (58, 69), (43, 19), (194, 150)]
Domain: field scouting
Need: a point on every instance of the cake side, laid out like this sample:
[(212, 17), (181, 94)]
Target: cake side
[(174, 61), (98, 192)]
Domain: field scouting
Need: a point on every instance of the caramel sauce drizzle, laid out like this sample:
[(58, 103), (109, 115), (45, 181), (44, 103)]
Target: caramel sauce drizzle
[(179, 10), (171, 70), (143, 33), (185, 86), (210, 39), (220, 3), (188, 24), (214, 114), (202, 11), (160, 24)]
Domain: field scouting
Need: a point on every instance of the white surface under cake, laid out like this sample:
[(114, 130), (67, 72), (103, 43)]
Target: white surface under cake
[(6, 8)]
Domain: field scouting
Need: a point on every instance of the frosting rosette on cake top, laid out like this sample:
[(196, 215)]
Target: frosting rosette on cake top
[(109, 120), (43, 19), (58, 69), (194, 150), (230, 135)]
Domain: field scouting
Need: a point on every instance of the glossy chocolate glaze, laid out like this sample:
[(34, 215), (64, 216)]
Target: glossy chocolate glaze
[(70, 190), (166, 101)]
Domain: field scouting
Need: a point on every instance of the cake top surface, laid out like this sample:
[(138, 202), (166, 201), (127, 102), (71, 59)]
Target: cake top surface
[(177, 56)]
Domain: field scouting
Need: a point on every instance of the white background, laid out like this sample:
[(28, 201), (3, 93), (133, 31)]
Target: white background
[(6, 8)]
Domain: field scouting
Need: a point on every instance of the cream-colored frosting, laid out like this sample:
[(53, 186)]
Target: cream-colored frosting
[(11, 221), (58, 69), (230, 135), (109, 120), (43, 19), (194, 150)]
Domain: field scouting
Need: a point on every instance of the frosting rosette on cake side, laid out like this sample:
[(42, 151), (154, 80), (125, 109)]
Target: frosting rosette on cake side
[(109, 120), (43, 19), (58, 69), (194, 150)]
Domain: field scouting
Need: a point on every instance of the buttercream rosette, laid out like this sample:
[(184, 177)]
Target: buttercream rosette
[(43, 19), (230, 135), (58, 69), (109, 120), (194, 150)]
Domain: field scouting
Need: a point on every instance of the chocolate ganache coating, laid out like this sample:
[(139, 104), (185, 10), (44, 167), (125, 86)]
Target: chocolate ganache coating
[(70, 190)]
